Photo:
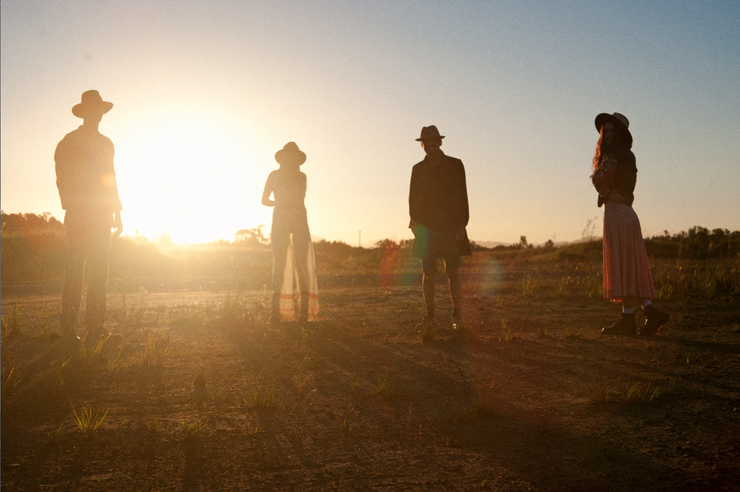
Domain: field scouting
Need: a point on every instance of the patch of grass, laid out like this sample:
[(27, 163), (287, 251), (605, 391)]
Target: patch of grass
[(257, 398), (10, 325), (632, 392), (736, 328), (89, 422), (505, 336), (113, 363), (191, 430), (156, 350), (10, 382), (529, 286), (383, 388), (53, 435)]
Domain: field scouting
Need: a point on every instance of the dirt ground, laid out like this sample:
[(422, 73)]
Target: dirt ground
[(534, 399)]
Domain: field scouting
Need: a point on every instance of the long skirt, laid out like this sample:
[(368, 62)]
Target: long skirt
[(293, 266), (626, 268)]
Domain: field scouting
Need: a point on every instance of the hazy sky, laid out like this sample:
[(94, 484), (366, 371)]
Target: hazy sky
[(206, 92)]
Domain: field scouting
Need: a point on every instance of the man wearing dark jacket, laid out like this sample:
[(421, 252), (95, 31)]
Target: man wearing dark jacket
[(438, 205), (86, 180)]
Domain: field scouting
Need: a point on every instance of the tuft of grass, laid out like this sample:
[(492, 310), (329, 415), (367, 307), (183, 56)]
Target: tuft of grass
[(736, 328), (113, 363), (529, 286), (632, 392), (156, 350), (10, 326), (383, 388), (53, 435), (89, 422), (9, 383), (257, 398), (191, 430)]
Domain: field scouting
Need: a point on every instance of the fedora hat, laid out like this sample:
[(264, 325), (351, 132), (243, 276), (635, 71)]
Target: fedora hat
[(429, 132), (617, 118), (290, 154), (91, 103)]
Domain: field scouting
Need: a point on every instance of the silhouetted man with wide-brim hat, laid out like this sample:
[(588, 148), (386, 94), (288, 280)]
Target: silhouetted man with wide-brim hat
[(86, 180), (438, 205)]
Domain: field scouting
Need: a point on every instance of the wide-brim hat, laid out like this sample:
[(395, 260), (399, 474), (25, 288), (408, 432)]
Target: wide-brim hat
[(91, 103), (616, 118), (290, 154), (429, 132)]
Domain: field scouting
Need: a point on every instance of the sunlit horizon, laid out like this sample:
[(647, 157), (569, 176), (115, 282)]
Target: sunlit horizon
[(204, 97)]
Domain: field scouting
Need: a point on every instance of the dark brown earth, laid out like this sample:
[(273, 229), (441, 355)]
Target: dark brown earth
[(536, 399)]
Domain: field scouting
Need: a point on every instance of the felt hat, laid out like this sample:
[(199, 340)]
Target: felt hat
[(290, 154), (616, 118), (91, 103), (429, 132)]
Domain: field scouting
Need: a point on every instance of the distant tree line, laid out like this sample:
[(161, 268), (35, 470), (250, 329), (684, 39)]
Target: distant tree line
[(33, 250)]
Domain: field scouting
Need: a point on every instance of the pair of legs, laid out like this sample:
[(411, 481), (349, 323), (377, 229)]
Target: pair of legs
[(283, 227), (429, 266), (88, 242)]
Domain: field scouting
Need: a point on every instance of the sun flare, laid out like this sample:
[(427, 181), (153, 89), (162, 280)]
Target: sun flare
[(194, 176)]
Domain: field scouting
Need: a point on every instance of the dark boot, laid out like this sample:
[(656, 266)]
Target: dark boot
[(427, 328), (625, 326), (654, 320)]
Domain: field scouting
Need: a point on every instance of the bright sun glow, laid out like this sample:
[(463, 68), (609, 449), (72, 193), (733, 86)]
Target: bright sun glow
[(197, 177)]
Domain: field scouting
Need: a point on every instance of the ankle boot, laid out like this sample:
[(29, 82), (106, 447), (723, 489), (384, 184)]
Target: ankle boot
[(654, 320), (625, 326)]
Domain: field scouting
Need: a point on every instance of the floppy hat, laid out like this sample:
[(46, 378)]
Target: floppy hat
[(429, 132), (290, 154), (91, 103), (617, 118)]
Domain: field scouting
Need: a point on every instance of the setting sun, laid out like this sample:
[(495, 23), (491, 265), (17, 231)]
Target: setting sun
[(196, 171)]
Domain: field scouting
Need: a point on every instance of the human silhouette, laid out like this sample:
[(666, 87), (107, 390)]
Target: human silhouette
[(86, 180), (438, 206), (627, 276), (292, 249)]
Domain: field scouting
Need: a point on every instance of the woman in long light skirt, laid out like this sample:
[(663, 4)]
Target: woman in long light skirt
[(627, 275)]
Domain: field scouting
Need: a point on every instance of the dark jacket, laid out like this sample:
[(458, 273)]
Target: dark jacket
[(438, 197), (622, 179)]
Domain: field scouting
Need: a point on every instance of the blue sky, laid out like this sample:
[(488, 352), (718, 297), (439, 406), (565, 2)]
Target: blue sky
[(206, 92)]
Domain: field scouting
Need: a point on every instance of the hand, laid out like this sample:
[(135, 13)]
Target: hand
[(117, 224)]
